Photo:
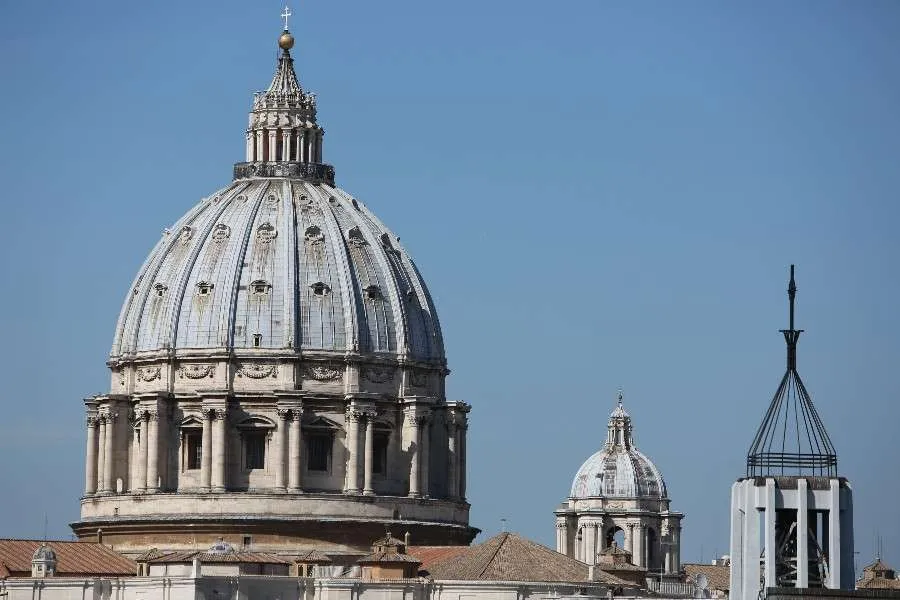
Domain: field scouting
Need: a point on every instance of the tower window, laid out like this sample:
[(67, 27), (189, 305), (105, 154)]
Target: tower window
[(379, 453), (257, 340), (255, 450), (318, 451), (193, 442)]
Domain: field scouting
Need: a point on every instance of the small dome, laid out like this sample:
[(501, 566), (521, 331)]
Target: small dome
[(44, 553), (618, 470)]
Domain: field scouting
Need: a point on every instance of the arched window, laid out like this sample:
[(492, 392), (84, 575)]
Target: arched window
[(191, 444)]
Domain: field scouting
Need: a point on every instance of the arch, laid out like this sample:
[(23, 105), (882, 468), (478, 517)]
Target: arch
[(614, 534), (256, 422)]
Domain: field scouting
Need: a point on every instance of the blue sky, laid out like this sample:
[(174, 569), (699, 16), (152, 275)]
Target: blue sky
[(599, 194)]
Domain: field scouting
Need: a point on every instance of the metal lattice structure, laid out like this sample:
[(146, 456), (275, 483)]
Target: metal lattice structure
[(791, 439)]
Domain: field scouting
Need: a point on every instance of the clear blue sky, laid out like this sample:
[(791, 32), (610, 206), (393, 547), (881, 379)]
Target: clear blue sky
[(599, 194)]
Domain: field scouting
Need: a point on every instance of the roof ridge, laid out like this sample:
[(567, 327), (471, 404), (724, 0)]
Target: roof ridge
[(505, 536)]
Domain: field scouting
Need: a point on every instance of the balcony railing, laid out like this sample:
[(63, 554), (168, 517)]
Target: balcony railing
[(312, 172)]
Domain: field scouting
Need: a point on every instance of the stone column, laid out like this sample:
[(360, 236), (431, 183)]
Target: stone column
[(295, 466), (370, 454), (218, 448), (453, 460), (206, 450), (152, 451), (463, 449), (108, 451), (301, 145), (286, 145), (561, 536), (258, 155), (638, 545), (629, 540), (319, 137), (143, 451), (310, 145), (101, 452), (249, 146), (282, 458), (425, 457), (90, 463), (415, 453), (352, 483), (272, 145)]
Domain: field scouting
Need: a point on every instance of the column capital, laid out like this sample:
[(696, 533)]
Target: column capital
[(92, 420)]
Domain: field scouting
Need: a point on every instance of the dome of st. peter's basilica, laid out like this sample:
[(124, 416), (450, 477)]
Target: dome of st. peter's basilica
[(277, 370)]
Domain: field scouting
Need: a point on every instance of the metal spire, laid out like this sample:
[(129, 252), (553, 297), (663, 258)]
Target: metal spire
[(791, 439)]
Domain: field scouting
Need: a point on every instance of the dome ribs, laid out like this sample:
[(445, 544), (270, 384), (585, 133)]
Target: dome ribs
[(343, 277)]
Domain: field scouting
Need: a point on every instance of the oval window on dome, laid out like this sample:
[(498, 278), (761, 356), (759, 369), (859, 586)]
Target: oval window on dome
[(265, 233), (373, 292), (313, 234), (320, 289), (356, 237)]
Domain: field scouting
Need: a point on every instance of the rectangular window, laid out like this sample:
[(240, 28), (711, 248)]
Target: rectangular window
[(194, 447), (318, 451), (255, 450), (379, 453)]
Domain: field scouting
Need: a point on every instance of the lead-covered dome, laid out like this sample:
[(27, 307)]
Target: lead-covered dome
[(280, 264), (618, 470), (281, 258)]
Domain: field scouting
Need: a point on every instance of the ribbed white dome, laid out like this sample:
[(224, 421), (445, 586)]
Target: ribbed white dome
[(279, 263), (619, 470)]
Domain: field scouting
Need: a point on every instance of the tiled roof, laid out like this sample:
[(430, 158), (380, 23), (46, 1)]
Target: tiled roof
[(73, 558), (313, 557), (387, 557), (429, 555), (719, 576), (220, 557), (509, 557)]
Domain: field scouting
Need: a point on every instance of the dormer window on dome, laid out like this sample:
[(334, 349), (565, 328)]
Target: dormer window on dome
[(320, 289), (204, 288), (260, 287)]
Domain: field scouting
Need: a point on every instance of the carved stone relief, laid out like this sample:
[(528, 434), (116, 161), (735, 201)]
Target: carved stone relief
[(197, 371), (328, 372), (148, 373), (256, 371)]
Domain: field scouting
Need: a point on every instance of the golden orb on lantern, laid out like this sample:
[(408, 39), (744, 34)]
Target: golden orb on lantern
[(286, 41)]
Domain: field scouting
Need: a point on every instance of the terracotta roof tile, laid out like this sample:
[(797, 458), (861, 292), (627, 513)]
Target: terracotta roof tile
[(719, 576), (313, 557), (73, 558), (220, 557), (509, 557), (432, 554)]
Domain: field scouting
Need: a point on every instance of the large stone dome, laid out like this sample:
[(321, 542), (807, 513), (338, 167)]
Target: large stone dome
[(277, 371), (619, 469), (279, 264)]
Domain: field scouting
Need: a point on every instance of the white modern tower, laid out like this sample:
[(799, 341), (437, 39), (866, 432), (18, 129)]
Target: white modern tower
[(791, 516)]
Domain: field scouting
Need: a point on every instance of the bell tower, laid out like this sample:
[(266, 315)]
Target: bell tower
[(791, 515)]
